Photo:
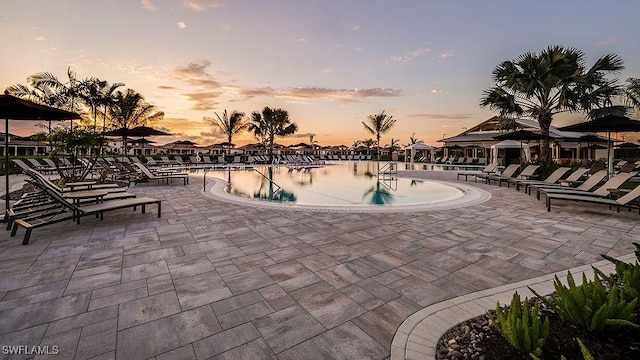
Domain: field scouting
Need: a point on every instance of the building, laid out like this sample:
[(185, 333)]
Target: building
[(476, 142)]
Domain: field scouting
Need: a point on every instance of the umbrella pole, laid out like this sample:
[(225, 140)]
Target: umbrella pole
[(6, 166), (609, 157)]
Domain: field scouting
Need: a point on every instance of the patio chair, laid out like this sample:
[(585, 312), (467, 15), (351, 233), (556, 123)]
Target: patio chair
[(551, 179), (573, 178), (159, 177), (603, 191), (72, 212), (525, 174), (590, 183), (41, 167), (508, 172), (489, 169), (625, 200)]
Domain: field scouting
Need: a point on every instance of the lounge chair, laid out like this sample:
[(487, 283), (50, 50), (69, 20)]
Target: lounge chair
[(488, 170), (573, 178), (525, 174), (624, 200), (88, 185), (73, 212), (590, 183), (509, 172), (602, 191), (159, 177), (551, 179)]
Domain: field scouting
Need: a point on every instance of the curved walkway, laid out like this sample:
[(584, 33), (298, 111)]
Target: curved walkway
[(418, 336), (254, 282)]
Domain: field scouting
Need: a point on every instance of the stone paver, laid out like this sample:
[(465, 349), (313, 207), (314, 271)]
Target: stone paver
[(224, 280)]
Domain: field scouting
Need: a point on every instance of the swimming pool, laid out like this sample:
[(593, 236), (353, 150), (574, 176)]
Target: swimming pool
[(348, 185)]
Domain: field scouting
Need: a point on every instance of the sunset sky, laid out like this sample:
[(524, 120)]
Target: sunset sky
[(329, 63)]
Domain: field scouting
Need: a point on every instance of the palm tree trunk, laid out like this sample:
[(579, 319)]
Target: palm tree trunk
[(545, 122)]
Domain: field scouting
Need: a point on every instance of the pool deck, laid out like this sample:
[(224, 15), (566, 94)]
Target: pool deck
[(223, 280)]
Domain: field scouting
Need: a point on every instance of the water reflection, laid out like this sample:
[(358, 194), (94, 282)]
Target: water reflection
[(379, 194), (270, 191)]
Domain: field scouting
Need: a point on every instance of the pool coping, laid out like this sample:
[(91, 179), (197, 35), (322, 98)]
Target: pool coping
[(418, 335), (214, 188)]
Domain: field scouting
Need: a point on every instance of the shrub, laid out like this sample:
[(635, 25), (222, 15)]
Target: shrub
[(628, 275), (521, 325), (590, 305), (586, 355)]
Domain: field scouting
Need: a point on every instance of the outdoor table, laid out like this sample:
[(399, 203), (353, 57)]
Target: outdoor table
[(77, 196), (73, 185)]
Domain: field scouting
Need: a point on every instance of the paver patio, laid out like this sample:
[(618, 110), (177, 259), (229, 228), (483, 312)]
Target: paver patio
[(213, 279)]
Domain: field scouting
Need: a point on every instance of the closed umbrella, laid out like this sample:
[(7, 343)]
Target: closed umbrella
[(13, 108)]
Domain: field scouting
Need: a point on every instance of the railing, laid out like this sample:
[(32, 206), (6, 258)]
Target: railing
[(389, 170)]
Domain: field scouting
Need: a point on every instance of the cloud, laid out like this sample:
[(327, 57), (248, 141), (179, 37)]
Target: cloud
[(410, 55), (606, 42), (301, 135), (436, 91), (253, 92), (445, 55), (340, 94), (204, 100), (148, 5), (355, 28), (440, 116), (194, 73), (201, 5), (165, 87), (181, 25), (41, 38), (213, 134)]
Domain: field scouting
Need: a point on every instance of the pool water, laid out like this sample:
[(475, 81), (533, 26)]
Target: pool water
[(340, 184)]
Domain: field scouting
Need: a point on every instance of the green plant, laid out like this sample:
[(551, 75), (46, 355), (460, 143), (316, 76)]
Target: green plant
[(521, 325), (586, 355), (590, 305), (628, 275)]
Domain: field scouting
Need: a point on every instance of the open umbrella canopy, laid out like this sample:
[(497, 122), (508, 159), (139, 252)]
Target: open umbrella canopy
[(590, 138), (185, 142), (15, 108), (520, 135), (137, 131), (142, 141), (608, 124)]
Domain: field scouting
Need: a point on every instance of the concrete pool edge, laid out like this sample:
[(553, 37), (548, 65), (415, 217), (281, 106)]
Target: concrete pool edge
[(214, 189)]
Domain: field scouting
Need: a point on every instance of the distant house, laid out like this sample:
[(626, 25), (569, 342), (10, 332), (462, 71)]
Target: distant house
[(23, 146)]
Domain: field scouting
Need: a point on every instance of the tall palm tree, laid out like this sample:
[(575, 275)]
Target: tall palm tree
[(228, 125), (368, 143), (379, 124), (632, 93), (131, 110), (555, 80), (271, 123), (66, 94), (108, 100)]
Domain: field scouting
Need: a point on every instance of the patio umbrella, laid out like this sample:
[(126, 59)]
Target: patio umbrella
[(592, 141), (141, 131), (142, 141), (608, 124), (15, 108)]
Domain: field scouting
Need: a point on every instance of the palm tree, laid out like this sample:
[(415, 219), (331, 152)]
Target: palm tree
[(228, 125), (553, 81), (379, 124), (66, 95), (131, 110), (271, 123), (368, 143), (108, 100), (632, 93)]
